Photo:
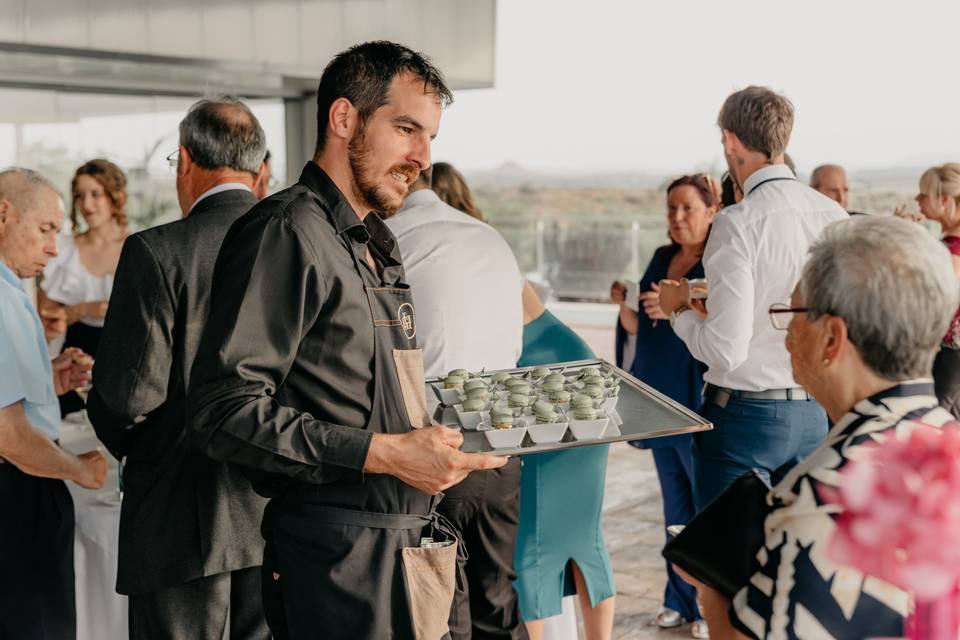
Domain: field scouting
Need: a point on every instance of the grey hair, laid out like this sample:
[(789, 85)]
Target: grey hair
[(893, 285), (20, 186), (222, 133)]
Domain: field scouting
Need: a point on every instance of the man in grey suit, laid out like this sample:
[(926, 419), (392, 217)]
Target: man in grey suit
[(190, 545)]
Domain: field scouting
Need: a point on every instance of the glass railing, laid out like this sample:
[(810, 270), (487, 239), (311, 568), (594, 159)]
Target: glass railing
[(579, 257)]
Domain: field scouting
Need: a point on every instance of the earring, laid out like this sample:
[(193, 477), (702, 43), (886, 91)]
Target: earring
[(826, 362)]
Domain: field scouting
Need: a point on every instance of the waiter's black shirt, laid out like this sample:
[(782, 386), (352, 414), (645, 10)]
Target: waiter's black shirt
[(282, 382)]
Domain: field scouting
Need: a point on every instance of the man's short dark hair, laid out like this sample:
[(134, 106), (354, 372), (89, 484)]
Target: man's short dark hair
[(363, 73), (760, 118), (223, 133)]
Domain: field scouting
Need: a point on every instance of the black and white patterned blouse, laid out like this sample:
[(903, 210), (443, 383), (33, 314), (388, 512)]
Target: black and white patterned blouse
[(798, 591)]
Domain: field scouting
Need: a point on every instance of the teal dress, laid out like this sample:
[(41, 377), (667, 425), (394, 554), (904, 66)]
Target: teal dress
[(561, 498)]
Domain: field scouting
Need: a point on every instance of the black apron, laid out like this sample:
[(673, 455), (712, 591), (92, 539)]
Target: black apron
[(332, 564)]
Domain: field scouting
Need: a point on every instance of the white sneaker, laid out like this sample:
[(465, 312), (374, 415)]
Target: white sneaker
[(699, 629), (667, 618)]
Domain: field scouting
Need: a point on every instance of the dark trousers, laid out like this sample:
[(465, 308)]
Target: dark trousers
[(675, 471), (770, 436), (84, 337), (221, 607), (36, 558), (485, 508)]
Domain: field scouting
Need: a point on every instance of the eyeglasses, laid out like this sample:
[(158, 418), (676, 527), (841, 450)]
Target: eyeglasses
[(173, 160), (782, 314)]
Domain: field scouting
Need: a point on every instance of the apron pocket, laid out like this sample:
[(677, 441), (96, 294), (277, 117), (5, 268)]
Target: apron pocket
[(430, 576), (409, 366)]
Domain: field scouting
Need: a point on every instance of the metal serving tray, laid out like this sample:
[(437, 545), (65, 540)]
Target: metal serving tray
[(643, 412)]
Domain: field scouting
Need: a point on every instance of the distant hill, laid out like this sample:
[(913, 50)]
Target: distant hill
[(511, 192)]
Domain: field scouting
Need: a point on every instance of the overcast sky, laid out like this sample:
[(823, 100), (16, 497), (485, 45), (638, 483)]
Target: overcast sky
[(635, 85)]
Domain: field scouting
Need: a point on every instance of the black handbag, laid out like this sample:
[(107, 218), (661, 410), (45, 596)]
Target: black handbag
[(719, 545)]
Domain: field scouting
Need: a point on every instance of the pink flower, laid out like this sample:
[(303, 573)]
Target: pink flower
[(901, 511)]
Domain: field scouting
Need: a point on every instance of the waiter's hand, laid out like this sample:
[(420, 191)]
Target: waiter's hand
[(427, 459)]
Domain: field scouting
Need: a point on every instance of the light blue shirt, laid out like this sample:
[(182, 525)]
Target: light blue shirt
[(25, 370)]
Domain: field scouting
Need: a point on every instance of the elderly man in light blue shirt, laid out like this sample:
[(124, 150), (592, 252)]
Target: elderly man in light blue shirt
[(36, 538)]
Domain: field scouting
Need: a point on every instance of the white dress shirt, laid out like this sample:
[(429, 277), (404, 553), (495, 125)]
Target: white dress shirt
[(753, 259), (466, 286), (226, 186)]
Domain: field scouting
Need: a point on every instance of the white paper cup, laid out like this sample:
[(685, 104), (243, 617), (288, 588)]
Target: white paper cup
[(506, 438), (448, 397), (472, 419), (589, 429), (608, 404), (632, 295), (547, 432)]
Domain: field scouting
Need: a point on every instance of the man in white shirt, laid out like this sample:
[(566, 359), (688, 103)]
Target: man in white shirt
[(753, 259), (467, 292)]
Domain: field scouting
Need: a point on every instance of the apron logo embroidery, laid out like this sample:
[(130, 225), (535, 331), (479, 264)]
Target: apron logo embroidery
[(407, 320)]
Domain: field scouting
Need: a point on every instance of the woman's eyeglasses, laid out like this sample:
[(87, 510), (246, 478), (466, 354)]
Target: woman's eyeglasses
[(782, 314)]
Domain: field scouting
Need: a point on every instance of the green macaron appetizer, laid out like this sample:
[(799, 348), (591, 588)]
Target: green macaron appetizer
[(453, 382), (474, 383), (501, 418), (478, 392), (518, 400), (584, 413), (545, 415), (473, 404), (555, 377), (593, 390), (580, 400), (539, 372), (551, 385)]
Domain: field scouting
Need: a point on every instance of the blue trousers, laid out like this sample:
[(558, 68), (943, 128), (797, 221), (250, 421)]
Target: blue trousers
[(770, 436), (674, 469)]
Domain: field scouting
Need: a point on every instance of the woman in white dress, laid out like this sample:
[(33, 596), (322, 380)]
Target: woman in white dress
[(76, 284)]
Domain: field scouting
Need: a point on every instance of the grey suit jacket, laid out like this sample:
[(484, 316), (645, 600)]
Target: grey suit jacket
[(184, 515)]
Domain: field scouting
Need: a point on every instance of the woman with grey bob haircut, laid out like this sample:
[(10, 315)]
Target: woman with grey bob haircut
[(893, 285), (862, 329)]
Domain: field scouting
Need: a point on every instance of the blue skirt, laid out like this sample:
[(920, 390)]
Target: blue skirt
[(561, 499)]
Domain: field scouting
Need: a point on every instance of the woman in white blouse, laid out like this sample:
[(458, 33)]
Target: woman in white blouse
[(77, 283)]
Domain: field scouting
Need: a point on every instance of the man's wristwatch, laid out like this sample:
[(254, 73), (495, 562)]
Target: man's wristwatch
[(676, 314)]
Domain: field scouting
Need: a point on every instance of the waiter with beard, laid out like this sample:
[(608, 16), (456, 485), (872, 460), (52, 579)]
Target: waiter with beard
[(308, 372)]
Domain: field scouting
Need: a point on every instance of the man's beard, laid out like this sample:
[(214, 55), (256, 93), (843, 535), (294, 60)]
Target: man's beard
[(365, 188)]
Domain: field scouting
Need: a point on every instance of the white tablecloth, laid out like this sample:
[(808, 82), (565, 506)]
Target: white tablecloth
[(101, 611)]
